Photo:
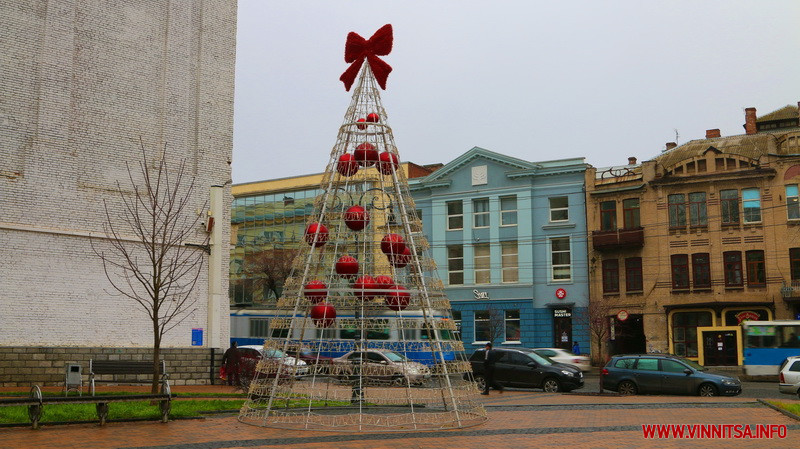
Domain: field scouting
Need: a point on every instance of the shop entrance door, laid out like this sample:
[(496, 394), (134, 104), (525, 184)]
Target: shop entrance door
[(720, 348), (562, 328)]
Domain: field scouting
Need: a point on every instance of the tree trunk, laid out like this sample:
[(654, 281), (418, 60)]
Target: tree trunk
[(156, 359)]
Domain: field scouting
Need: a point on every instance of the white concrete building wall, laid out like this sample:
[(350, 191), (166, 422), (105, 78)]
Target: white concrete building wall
[(83, 83)]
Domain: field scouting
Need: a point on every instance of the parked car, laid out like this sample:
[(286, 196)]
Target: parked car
[(380, 365), (278, 362), (563, 356), (523, 367), (665, 374), (315, 361), (790, 376)]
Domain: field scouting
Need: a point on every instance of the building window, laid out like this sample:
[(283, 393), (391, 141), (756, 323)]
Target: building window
[(732, 261), (701, 270), (630, 213), (457, 322), (677, 210), (510, 261), (680, 271), (482, 325), (756, 271), (559, 208), (560, 259), (483, 272), (792, 202), (794, 263), (729, 206), (633, 274), (455, 215), (698, 213), (512, 325), (684, 331), (480, 213), (751, 206), (508, 210), (608, 216), (455, 264), (611, 276)]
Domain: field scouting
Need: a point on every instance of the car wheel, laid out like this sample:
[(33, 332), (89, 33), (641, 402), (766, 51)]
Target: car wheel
[(626, 387), (480, 381), (551, 385), (400, 381), (707, 390)]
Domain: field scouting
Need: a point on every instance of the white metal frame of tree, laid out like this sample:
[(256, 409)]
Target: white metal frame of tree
[(364, 396)]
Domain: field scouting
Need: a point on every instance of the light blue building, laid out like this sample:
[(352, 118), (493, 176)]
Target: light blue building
[(509, 239)]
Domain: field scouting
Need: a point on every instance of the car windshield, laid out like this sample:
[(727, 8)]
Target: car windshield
[(394, 356), (541, 360), (694, 365), (274, 353)]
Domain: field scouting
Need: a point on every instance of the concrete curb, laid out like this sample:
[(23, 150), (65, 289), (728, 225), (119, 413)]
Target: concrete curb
[(785, 412)]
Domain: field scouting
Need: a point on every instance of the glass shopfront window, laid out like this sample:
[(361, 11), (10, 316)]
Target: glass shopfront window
[(684, 331)]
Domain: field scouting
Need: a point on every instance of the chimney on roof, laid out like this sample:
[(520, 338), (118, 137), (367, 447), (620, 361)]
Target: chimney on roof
[(711, 133), (750, 121), (631, 160), (671, 145)]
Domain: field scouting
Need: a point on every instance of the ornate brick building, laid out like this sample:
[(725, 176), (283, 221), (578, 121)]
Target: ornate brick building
[(687, 245)]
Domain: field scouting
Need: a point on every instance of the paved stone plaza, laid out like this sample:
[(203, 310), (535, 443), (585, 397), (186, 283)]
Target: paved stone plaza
[(517, 419)]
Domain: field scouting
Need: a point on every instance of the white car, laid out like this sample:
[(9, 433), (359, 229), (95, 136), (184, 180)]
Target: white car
[(563, 356), (251, 354), (790, 376)]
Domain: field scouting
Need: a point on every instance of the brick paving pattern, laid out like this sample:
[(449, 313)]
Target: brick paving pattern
[(517, 419)]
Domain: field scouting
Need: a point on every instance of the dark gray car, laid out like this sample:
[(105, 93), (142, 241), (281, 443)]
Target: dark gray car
[(665, 374), (522, 367)]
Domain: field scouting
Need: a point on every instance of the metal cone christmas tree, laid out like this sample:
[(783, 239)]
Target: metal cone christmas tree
[(365, 318)]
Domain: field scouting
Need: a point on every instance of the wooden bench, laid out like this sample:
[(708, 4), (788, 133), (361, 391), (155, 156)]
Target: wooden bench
[(35, 402)]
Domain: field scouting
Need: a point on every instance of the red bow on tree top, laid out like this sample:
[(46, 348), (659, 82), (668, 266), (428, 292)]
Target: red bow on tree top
[(357, 48)]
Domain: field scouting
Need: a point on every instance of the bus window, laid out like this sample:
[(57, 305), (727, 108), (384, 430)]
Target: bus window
[(761, 337), (381, 333), (789, 337)]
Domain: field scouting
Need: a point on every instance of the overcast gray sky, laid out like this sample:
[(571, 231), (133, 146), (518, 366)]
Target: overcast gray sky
[(537, 80)]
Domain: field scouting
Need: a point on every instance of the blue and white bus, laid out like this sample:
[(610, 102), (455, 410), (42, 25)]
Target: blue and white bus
[(253, 326), (768, 343)]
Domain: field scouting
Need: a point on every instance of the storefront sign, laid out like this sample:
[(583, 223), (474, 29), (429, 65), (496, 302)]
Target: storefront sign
[(480, 295), (747, 315), (562, 313), (622, 315), (561, 293)]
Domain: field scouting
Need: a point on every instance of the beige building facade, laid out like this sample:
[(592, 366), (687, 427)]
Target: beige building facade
[(686, 246)]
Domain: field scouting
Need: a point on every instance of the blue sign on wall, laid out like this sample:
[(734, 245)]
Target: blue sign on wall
[(197, 337)]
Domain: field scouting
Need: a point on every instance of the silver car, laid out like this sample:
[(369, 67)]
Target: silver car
[(380, 366), (790, 376)]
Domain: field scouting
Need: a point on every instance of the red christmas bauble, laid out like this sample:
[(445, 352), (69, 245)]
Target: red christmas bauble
[(361, 124), (356, 218), (347, 266), (316, 234), (402, 259), (384, 282), (397, 298), (347, 165), (323, 314), (366, 154), (373, 117), (316, 291), (393, 244), (387, 162), (365, 287)]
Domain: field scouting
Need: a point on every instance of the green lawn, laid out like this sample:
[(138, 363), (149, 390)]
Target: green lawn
[(118, 410), (143, 409), (791, 408)]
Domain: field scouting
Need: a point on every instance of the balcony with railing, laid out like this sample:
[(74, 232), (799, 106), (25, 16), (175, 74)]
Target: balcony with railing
[(618, 239)]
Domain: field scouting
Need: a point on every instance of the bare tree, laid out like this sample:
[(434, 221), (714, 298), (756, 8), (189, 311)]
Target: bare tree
[(497, 325), (270, 268), (149, 261), (595, 317)]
